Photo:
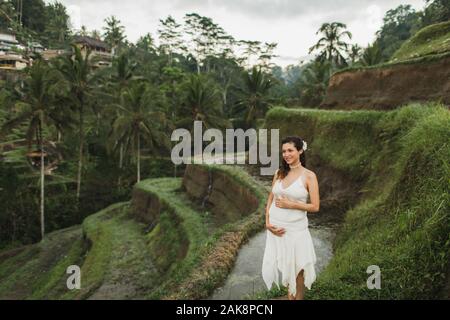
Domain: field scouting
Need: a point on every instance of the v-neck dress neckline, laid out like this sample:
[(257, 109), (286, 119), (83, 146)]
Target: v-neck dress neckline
[(297, 179)]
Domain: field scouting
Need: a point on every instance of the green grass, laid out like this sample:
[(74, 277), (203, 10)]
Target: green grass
[(332, 135), (43, 275), (110, 248), (97, 231), (117, 257), (432, 39), (243, 178), (402, 223), (390, 64), (53, 284), (118, 260), (166, 241), (192, 229), (430, 44), (182, 278), (38, 268)]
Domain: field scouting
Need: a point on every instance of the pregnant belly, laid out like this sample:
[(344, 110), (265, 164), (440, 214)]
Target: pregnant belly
[(288, 218)]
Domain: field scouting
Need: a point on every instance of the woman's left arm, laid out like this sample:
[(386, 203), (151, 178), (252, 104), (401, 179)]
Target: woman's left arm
[(313, 188)]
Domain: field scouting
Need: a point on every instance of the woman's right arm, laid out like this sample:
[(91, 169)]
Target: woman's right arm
[(275, 230), (270, 199), (269, 203)]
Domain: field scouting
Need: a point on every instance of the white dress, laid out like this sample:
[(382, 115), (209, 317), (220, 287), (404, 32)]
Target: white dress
[(294, 250)]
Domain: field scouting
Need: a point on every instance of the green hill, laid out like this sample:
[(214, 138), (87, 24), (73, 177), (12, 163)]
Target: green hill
[(433, 39), (184, 256), (402, 221)]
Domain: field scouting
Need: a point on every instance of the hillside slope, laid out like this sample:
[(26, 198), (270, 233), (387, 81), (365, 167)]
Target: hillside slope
[(433, 39), (418, 72), (402, 221), (161, 245)]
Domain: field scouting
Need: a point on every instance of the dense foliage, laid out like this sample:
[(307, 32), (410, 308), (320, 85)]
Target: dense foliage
[(75, 138)]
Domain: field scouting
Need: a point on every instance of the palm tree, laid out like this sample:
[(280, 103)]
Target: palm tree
[(372, 55), (141, 117), (254, 100), (203, 103), (96, 34), (114, 33), (355, 53), (122, 75), (57, 25), (38, 109), (123, 71), (83, 31), (8, 12), (77, 71), (331, 45), (313, 82)]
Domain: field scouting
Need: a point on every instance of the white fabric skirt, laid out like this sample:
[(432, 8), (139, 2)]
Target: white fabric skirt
[(290, 253)]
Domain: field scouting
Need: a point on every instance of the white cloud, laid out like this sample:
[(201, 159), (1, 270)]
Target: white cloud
[(74, 13), (374, 17)]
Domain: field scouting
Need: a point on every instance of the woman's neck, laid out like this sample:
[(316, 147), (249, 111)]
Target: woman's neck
[(297, 165)]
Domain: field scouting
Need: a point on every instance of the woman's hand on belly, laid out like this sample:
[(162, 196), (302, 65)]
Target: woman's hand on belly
[(275, 230)]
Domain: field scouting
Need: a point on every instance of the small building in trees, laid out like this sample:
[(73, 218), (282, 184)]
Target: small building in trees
[(10, 48), (53, 53), (36, 47), (8, 41), (100, 51), (13, 61)]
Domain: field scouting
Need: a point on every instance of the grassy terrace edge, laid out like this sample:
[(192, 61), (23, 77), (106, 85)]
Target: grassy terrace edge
[(432, 39), (208, 261), (419, 60), (419, 45)]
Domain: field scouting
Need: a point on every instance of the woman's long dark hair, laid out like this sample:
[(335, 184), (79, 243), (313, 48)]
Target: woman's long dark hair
[(298, 143)]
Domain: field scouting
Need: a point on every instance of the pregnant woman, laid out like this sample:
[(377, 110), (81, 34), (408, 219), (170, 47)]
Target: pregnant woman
[(289, 247)]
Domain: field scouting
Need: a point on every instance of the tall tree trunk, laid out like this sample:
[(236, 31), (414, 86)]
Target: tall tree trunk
[(80, 154), (119, 182), (21, 202), (42, 180), (98, 124), (19, 16), (224, 97), (14, 223), (138, 158)]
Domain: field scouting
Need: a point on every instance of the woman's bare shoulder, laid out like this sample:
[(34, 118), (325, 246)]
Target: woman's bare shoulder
[(276, 173), (310, 174), (275, 177)]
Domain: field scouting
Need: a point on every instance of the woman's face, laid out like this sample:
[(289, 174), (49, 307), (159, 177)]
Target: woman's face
[(290, 153)]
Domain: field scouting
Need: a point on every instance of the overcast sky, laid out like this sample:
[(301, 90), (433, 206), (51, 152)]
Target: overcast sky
[(290, 23)]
